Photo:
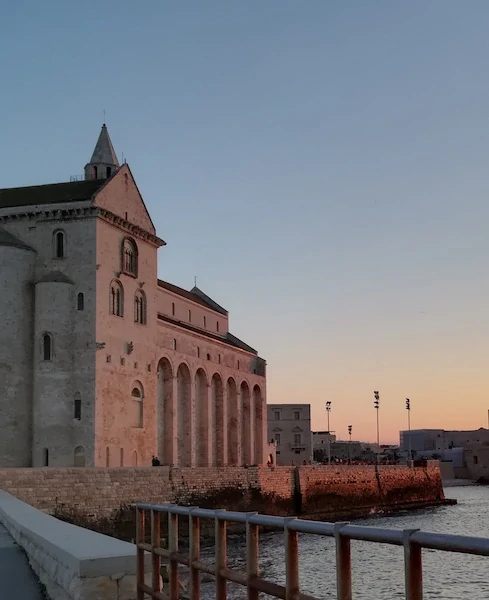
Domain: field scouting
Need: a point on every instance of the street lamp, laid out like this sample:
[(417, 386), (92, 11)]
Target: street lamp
[(328, 410), (349, 445), (376, 406), (408, 408)]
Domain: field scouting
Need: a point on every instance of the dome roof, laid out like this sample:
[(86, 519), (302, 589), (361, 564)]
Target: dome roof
[(55, 277), (7, 239)]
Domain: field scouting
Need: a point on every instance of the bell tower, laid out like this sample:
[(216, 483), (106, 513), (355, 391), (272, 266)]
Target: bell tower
[(103, 163)]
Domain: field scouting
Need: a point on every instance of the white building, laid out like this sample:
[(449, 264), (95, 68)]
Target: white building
[(290, 426)]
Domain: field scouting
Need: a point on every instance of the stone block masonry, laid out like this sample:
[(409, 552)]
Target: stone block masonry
[(328, 491)]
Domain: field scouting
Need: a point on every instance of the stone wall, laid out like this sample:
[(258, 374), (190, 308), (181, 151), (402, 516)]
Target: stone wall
[(309, 490), (337, 490)]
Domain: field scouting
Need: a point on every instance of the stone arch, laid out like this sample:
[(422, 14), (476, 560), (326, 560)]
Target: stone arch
[(140, 307), (258, 424), (129, 256), (201, 418), (232, 425), (184, 411), (59, 244), (246, 423), (165, 412), (79, 456), (137, 404), (116, 298), (218, 425)]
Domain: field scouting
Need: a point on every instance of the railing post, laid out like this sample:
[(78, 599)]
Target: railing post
[(221, 557), (173, 547), (343, 564), (292, 561), (155, 543), (252, 553), (413, 567), (140, 552), (194, 555)]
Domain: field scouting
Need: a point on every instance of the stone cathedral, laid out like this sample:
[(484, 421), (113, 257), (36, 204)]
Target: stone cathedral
[(102, 363)]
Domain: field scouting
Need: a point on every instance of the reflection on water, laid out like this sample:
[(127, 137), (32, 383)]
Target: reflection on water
[(378, 569)]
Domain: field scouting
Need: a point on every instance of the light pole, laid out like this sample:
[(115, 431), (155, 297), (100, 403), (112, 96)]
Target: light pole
[(408, 408), (376, 406), (328, 410), (349, 445)]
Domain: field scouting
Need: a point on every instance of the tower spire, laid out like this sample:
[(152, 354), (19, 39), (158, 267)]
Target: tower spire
[(104, 160)]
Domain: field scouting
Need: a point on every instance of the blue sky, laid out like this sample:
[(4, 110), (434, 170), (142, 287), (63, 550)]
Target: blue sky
[(320, 166)]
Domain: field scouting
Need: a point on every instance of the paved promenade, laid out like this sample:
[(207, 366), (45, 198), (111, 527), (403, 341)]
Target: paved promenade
[(17, 580)]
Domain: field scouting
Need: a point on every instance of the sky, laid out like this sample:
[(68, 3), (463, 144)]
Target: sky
[(321, 167)]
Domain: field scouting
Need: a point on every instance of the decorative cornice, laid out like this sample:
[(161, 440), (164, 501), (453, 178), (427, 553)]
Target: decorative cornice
[(54, 214), (64, 214), (128, 227)]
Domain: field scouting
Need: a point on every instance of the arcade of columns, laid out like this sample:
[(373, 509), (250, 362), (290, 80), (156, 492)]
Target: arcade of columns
[(206, 421)]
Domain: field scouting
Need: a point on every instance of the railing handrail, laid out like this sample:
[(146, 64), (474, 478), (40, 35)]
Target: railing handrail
[(434, 541), (413, 540)]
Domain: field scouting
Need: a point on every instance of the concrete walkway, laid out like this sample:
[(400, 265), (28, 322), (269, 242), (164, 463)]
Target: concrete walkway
[(17, 580)]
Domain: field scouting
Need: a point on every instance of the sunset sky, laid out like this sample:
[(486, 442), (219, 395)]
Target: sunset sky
[(321, 167)]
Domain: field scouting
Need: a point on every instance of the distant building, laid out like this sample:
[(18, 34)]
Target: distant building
[(425, 440), (290, 426), (320, 438)]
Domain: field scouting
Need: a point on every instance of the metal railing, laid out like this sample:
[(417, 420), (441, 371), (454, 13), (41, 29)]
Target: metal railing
[(413, 541)]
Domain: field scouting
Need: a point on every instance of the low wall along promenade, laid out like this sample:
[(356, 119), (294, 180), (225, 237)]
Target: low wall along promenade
[(328, 492)]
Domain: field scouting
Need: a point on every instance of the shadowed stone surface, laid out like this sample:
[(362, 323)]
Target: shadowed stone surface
[(17, 580)]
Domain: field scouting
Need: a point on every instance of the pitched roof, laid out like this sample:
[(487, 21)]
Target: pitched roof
[(7, 239), (228, 338), (55, 277), (104, 151), (239, 343), (195, 290), (200, 297), (52, 193)]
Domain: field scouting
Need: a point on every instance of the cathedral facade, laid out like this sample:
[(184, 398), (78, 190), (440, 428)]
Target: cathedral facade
[(102, 363)]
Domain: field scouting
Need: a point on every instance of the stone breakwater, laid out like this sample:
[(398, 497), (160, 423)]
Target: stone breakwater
[(325, 491)]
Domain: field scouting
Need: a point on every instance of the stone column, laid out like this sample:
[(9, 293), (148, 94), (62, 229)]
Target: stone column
[(175, 459), (253, 425), (225, 424), (239, 438), (193, 424), (210, 427)]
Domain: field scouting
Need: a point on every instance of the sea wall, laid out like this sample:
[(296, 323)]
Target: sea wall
[(309, 490), (336, 490)]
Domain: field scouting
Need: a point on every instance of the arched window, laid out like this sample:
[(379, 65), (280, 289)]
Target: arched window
[(174, 344), (77, 406), (109, 173), (45, 457), (116, 298), (137, 397), (122, 457), (140, 307), (134, 459), (95, 172), (79, 456), (129, 262), (59, 244), (81, 301), (217, 325), (47, 346)]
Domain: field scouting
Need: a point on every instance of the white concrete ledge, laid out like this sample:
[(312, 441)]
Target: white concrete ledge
[(73, 563)]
